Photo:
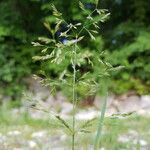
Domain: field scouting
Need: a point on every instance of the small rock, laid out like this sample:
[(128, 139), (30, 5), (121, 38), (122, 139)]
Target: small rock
[(145, 101), (59, 148), (2, 138), (87, 115), (98, 102), (132, 103), (1, 135), (37, 114), (132, 134), (63, 137), (32, 144), (110, 111), (18, 149), (66, 108), (143, 143), (39, 134), (14, 133), (123, 139)]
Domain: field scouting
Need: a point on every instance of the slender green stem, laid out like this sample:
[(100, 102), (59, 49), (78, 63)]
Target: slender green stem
[(100, 123), (74, 96), (97, 2)]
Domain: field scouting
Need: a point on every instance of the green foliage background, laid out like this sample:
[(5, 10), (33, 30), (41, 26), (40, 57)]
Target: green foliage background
[(124, 38)]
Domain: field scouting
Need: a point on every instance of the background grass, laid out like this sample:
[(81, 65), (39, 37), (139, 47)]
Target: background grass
[(113, 128)]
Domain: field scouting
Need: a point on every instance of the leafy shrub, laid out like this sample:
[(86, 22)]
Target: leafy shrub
[(21, 22), (134, 55), (15, 47)]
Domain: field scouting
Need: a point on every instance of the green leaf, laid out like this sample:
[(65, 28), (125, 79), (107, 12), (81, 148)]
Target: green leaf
[(101, 122), (100, 61), (44, 50), (36, 58), (81, 5), (45, 40), (36, 44), (98, 11), (62, 75), (64, 33), (103, 19), (56, 12), (89, 17), (96, 26), (91, 35), (80, 38), (116, 68), (58, 25), (47, 25), (78, 24), (94, 31), (108, 64)]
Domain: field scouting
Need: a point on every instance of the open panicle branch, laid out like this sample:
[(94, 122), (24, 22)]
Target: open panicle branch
[(63, 50)]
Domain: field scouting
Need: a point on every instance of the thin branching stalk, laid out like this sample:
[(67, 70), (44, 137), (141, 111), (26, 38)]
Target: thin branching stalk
[(58, 52), (100, 123), (74, 95)]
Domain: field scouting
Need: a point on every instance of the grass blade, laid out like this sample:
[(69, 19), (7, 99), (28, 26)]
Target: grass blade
[(100, 124)]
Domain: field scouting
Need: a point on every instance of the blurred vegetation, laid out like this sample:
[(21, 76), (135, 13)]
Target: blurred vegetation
[(113, 129), (124, 38)]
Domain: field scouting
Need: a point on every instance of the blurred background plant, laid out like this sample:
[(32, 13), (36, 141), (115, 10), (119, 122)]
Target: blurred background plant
[(124, 38)]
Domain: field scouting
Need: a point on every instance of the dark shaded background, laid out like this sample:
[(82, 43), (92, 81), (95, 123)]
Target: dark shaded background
[(125, 37)]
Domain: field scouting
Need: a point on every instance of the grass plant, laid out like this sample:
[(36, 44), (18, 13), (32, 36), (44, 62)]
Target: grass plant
[(67, 45)]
